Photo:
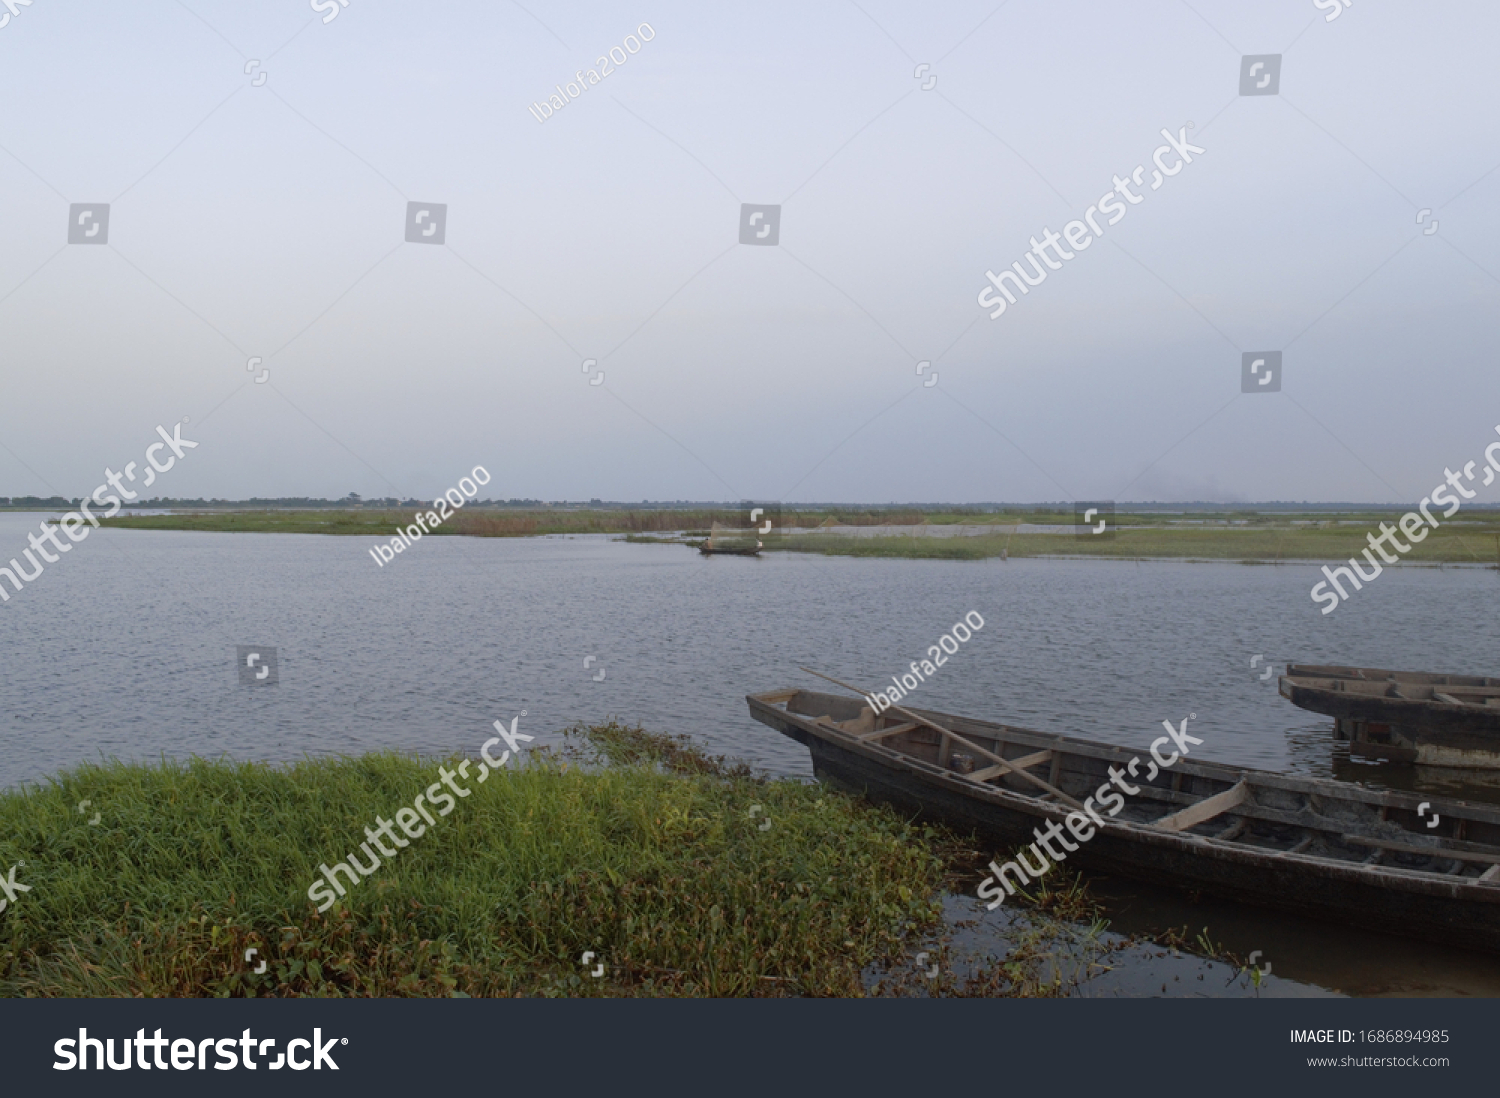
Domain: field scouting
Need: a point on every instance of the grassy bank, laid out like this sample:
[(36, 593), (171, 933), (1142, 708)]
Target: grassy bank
[(654, 863), (1472, 538), (485, 522), (1471, 543)]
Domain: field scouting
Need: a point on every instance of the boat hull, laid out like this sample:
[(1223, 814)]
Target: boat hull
[(1454, 911), (1417, 728)]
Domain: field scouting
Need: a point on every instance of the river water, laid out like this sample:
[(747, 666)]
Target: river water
[(126, 647)]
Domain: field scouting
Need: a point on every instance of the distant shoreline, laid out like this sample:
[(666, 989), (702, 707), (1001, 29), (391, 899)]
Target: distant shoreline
[(1250, 537)]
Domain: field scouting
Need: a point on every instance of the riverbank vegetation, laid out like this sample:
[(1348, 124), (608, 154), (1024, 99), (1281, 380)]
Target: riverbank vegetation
[(489, 521), (1472, 542), (655, 858), (1472, 537), (680, 874)]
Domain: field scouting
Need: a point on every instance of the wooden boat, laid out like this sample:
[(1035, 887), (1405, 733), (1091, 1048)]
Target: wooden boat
[(708, 549), (1320, 848), (1404, 716), (730, 542)]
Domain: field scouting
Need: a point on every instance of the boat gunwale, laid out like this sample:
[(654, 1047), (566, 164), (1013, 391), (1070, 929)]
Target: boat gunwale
[(1362, 674), (1325, 687)]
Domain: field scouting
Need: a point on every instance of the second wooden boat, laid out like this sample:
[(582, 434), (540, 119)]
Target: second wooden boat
[(1404, 716), (730, 542), (1369, 857)]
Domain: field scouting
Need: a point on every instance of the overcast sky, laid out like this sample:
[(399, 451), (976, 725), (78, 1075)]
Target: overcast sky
[(269, 221)]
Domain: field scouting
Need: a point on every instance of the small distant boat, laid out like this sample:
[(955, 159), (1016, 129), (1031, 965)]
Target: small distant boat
[(1322, 848), (709, 549), (729, 542), (1404, 716)]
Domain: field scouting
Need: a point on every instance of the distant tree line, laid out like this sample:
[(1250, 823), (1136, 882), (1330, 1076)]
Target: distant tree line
[(36, 501)]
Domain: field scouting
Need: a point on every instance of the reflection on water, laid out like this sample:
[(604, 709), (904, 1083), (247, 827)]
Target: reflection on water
[(1075, 961), (1315, 752), (1471, 785), (1324, 954)]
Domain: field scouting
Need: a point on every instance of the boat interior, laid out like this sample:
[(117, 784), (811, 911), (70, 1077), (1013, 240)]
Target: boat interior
[(1257, 810), (1402, 685)]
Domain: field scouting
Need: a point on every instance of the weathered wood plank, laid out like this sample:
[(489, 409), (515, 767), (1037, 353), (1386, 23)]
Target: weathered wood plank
[(994, 758), (1035, 759), (1432, 851), (1230, 832), (1206, 809), (1262, 813)]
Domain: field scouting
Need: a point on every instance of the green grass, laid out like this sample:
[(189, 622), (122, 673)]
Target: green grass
[(473, 522), (645, 853), (1471, 538), (978, 547), (486, 521), (1472, 543)]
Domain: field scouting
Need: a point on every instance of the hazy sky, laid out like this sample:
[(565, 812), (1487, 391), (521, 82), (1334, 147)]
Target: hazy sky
[(269, 221)]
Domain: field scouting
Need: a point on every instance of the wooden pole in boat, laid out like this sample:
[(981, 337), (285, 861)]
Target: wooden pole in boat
[(1032, 778)]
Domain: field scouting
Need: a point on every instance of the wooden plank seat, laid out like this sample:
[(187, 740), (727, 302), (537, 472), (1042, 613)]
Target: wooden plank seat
[(893, 730), (1206, 809), (1025, 761)]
